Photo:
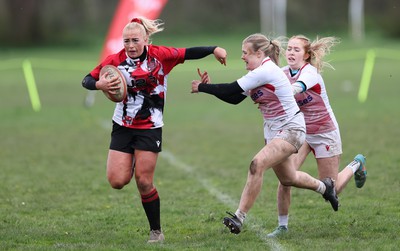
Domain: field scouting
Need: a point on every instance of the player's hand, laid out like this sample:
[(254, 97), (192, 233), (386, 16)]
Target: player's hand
[(109, 85), (205, 78), (195, 86), (220, 55)]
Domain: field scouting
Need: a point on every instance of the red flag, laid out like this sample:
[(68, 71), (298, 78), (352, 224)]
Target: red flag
[(126, 10)]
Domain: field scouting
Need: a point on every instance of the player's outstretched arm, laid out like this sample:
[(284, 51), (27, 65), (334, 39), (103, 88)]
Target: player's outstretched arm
[(203, 51)]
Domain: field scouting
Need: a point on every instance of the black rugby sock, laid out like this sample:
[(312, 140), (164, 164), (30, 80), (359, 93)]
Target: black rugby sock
[(151, 205)]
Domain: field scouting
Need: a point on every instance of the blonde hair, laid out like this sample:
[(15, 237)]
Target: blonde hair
[(149, 27), (318, 49), (270, 48)]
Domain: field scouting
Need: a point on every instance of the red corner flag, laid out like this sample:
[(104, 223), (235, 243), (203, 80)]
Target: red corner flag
[(126, 10)]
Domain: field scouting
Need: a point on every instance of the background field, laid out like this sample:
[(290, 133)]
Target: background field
[(54, 193)]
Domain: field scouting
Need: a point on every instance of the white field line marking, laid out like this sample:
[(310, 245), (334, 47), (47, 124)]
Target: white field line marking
[(204, 182), (224, 198)]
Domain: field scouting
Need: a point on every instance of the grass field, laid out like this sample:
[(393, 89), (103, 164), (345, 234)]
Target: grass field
[(54, 194)]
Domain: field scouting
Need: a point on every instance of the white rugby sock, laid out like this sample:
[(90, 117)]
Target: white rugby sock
[(354, 166), (321, 188), (283, 220), (241, 215)]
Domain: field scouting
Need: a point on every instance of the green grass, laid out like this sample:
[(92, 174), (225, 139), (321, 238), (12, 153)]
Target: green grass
[(54, 194)]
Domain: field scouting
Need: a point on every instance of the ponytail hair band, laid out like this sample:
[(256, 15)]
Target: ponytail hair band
[(136, 20)]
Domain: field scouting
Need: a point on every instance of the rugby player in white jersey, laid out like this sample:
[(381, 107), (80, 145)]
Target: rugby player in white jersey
[(305, 63), (284, 126)]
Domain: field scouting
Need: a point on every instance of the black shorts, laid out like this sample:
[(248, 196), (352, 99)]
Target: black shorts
[(126, 139)]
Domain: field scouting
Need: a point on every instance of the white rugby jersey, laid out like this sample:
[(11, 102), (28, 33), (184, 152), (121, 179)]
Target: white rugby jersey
[(147, 85), (313, 102), (268, 86)]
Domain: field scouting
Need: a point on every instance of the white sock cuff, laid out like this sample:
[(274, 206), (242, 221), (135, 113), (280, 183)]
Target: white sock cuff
[(283, 220), (354, 165), (241, 215), (321, 188)]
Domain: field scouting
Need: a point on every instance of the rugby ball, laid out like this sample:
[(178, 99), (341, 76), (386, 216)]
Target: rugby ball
[(121, 92)]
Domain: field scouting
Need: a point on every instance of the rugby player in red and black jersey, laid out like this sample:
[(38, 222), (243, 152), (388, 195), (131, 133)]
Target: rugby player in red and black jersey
[(136, 136)]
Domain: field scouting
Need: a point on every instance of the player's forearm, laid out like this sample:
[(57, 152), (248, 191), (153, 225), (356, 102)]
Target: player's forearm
[(230, 93), (199, 52), (89, 82)]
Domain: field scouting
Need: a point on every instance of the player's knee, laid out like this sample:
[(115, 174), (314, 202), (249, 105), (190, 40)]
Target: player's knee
[(117, 183), (255, 167), (144, 185), (284, 188), (287, 183)]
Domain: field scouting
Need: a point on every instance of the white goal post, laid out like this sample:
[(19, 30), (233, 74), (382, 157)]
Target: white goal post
[(273, 18)]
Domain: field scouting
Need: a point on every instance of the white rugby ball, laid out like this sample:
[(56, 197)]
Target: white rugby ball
[(121, 92)]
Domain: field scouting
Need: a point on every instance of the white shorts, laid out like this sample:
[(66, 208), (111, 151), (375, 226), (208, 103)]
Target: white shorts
[(292, 131), (325, 145)]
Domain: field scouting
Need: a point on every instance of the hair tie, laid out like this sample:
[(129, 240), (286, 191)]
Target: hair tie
[(136, 20)]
